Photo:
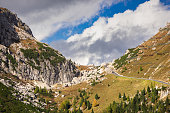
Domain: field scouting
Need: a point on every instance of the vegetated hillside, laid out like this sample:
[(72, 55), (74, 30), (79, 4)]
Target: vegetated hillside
[(97, 97), (22, 55), (151, 59), (145, 101), (9, 103)]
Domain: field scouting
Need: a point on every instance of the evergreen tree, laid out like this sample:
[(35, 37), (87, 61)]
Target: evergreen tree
[(167, 101), (153, 99), (88, 105), (81, 95), (144, 93), (124, 97), (150, 108), (92, 111), (134, 105), (79, 111), (96, 97), (119, 95), (163, 88), (137, 92), (109, 109), (114, 107), (148, 90), (81, 101), (144, 108)]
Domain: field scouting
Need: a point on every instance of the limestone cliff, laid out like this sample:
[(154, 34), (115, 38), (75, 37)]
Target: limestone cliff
[(22, 55)]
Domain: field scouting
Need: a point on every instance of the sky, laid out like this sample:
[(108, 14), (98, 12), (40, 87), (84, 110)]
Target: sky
[(92, 31)]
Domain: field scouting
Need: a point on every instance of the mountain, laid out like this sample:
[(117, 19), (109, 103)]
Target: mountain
[(28, 59), (148, 60), (28, 67)]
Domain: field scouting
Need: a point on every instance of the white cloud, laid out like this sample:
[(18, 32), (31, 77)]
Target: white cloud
[(47, 16), (108, 38)]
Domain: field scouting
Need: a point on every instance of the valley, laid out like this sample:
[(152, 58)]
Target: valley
[(34, 77)]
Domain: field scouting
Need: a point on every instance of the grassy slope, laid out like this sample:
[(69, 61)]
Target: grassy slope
[(107, 93), (154, 59), (117, 84)]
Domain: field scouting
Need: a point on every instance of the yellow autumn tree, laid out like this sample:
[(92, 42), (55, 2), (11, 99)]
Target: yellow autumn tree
[(95, 103), (83, 106)]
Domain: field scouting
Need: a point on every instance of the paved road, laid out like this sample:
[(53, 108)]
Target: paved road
[(139, 78)]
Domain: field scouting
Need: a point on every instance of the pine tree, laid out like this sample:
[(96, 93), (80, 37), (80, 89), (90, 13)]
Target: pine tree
[(88, 105), (124, 97), (167, 102), (81, 95), (137, 92), (119, 95), (148, 90), (96, 97), (144, 108), (79, 111), (81, 101), (153, 99), (92, 111), (109, 109), (163, 88)]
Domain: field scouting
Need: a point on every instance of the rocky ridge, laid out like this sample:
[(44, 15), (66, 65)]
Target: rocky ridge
[(22, 55)]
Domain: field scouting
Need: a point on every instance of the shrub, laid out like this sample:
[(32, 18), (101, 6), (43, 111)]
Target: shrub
[(36, 90), (94, 83), (65, 105), (13, 60), (141, 69)]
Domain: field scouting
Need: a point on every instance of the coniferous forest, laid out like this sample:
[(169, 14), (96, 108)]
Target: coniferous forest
[(145, 101)]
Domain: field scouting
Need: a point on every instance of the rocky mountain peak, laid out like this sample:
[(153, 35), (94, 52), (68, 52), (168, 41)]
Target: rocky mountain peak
[(10, 26), (22, 55)]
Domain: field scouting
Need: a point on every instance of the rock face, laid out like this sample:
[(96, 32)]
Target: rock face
[(22, 55), (7, 30)]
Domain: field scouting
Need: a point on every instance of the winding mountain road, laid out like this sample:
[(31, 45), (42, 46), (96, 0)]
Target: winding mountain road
[(116, 74)]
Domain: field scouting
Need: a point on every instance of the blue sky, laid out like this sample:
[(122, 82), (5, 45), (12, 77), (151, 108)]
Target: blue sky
[(64, 33)]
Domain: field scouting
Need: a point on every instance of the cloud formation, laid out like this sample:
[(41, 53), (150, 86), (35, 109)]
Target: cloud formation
[(47, 16), (108, 38)]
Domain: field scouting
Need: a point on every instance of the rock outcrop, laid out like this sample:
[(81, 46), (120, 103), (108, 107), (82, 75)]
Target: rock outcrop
[(22, 55), (8, 24)]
